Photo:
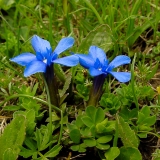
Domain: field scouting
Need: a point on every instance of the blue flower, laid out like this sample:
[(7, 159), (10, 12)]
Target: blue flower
[(97, 64), (44, 55)]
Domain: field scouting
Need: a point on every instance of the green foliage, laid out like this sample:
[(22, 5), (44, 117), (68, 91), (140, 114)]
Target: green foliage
[(156, 154), (7, 4), (30, 120), (112, 153), (40, 142), (110, 102), (92, 128), (118, 27), (82, 91), (9, 154), (12, 138), (145, 121), (126, 134), (129, 153), (126, 97)]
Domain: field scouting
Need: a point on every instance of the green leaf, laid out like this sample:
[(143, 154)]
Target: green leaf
[(38, 136), (54, 151), (34, 90), (91, 112), (101, 36), (90, 142), (79, 122), (146, 111), (104, 139), (82, 150), (13, 136), (75, 147), (102, 146), (153, 72), (86, 132), (30, 126), (149, 121), (11, 108), (100, 115), (129, 153), (82, 147), (87, 121), (100, 128), (9, 154), (71, 126), (30, 143), (26, 153), (66, 84), (126, 134), (112, 153), (144, 117), (6, 4), (142, 135), (75, 135)]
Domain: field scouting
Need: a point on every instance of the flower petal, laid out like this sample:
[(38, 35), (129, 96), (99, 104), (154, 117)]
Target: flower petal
[(40, 45), (24, 58), (96, 52), (95, 72), (70, 61), (34, 67), (64, 44), (121, 76), (118, 61), (85, 60)]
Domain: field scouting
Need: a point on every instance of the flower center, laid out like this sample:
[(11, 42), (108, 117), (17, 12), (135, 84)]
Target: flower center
[(99, 69), (45, 61)]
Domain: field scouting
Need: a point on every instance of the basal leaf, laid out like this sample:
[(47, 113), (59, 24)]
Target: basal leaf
[(112, 153), (87, 121), (26, 153), (102, 146), (100, 115), (75, 147), (79, 122), (104, 139), (90, 142), (91, 112), (75, 135), (129, 153), (13, 136), (126, 134), (9, 154), (54, 151)]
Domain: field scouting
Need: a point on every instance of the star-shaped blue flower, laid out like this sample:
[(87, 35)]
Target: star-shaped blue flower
[(97, 64), (44, 56)]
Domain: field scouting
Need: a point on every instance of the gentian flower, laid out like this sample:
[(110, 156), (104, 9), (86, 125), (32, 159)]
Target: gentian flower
[(44, 55), (98, 64), (99, 67)]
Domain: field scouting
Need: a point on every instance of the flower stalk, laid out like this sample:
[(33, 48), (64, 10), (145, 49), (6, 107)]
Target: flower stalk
[(96, 90), (51, 85)]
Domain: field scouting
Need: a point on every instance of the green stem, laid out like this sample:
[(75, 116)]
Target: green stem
[(115, 140), (65, 7), (96, 90), (132, 83), (52, 85), (28, 96), (50, 110)]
